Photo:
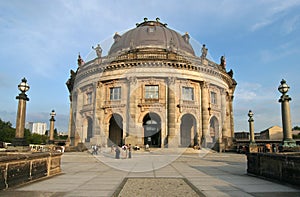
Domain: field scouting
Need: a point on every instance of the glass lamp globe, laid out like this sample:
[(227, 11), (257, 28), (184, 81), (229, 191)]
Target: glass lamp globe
[(23, 86), (52, 114), (250, 114), (283, 88)]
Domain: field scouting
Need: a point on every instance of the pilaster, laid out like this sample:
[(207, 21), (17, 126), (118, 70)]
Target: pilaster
[(172, 137)]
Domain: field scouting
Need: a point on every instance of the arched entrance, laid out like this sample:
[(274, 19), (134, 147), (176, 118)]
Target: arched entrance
[(89, 129), (214, 129), (152, 130), (115, 130), (188, 131)]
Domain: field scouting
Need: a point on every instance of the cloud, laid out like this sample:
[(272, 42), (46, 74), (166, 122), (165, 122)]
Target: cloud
[(249, 91), (271, 12), (291, 24), (280, 52)]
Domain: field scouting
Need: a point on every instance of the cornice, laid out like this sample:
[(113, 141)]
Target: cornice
[(152, 59)]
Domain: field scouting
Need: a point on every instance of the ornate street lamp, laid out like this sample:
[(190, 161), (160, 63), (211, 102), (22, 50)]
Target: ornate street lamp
[(251, 127), (20, 123), (52, 120), (285, 115)]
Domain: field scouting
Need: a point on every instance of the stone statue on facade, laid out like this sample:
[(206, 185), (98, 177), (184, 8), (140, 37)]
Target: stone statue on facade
[(70, 82), (204, 51), (230, 73), (98, 50), (223, 62), (80, 61)]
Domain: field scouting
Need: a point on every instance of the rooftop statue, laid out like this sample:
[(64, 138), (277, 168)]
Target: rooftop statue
[(98, 50), (204, 51)]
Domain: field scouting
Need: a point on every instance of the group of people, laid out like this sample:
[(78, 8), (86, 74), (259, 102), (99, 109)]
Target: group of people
[(124, 151), (95, 149), (272, 148)]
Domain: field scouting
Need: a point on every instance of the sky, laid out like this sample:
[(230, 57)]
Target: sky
[(40, 40)]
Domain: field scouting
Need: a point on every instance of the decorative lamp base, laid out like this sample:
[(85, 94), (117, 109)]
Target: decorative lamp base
[(289, 143)]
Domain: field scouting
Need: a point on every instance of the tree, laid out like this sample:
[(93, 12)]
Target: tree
[(55, 134), (7, 133), (37, 139), (296, 128)]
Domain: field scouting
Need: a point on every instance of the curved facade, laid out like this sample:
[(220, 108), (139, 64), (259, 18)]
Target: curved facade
[(152, 89)]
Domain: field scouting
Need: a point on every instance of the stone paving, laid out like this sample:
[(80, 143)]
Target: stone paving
[(206, 174)]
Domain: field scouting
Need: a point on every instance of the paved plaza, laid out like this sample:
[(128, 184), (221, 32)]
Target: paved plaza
[(155, 173)]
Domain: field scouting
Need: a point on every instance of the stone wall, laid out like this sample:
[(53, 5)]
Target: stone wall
[(19, 168), (284, 167)]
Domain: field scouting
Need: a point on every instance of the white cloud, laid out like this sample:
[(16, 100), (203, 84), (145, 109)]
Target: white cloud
[(291, 24), (272, 11)]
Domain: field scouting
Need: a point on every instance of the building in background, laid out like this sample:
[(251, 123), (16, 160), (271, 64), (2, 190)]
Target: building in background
[(36, 127), (272, 133), (244, 135), (152, 89)]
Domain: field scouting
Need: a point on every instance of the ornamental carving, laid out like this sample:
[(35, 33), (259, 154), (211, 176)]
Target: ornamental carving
[(171, 80), (132, 80)]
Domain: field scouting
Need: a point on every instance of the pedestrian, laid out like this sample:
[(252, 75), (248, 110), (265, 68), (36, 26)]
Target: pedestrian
[(273, 148), (268, 147), (117, 150), (129, 151), (96, 149)]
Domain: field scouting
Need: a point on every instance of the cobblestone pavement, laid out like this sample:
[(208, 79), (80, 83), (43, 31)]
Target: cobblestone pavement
[(155, 173)]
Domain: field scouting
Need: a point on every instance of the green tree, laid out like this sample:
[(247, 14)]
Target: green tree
[(37, 139), (7, 133), (296, 128)]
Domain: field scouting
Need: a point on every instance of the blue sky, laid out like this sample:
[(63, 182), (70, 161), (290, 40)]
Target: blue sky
[(40, 40)]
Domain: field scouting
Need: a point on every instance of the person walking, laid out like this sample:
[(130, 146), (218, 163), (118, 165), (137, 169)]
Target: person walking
[(129, 151), (117, 150)]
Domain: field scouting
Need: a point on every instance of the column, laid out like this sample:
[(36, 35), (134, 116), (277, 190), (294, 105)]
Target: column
[(20, 122), (251, 127), (131, 137), (286, 115), (252, 144), (51, 130), (231, 117), (70, 140), (205, 113), (172, 137), (223, 114)]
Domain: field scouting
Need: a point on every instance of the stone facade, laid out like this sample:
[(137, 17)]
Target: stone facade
[(151, 89), (284, 167), (20, 168)]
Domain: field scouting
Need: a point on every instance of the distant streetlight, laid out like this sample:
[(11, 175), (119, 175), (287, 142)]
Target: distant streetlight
[(52, 120), (21, 114), (251, 127), (285, 115)]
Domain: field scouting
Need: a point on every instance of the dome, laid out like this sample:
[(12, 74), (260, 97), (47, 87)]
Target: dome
[(152, 34)]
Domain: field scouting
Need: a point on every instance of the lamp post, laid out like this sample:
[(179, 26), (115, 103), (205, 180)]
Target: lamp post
[(252, 144), (52, 120), (285, 115), (20, 122), (251, 127)]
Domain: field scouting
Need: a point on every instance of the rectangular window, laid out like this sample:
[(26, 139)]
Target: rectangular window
[(89, 98), (151, 92), (213, 98), (188, 93), (115, 93)]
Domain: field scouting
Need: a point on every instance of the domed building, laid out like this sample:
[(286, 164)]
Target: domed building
[(152, 89)]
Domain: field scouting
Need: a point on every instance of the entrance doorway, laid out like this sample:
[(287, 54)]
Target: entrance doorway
[(115, 130), (214, 129), (188, 131), (152, 130), (89, 129)]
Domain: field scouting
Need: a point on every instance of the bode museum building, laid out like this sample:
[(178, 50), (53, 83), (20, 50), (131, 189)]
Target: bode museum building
[(151, 88)]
